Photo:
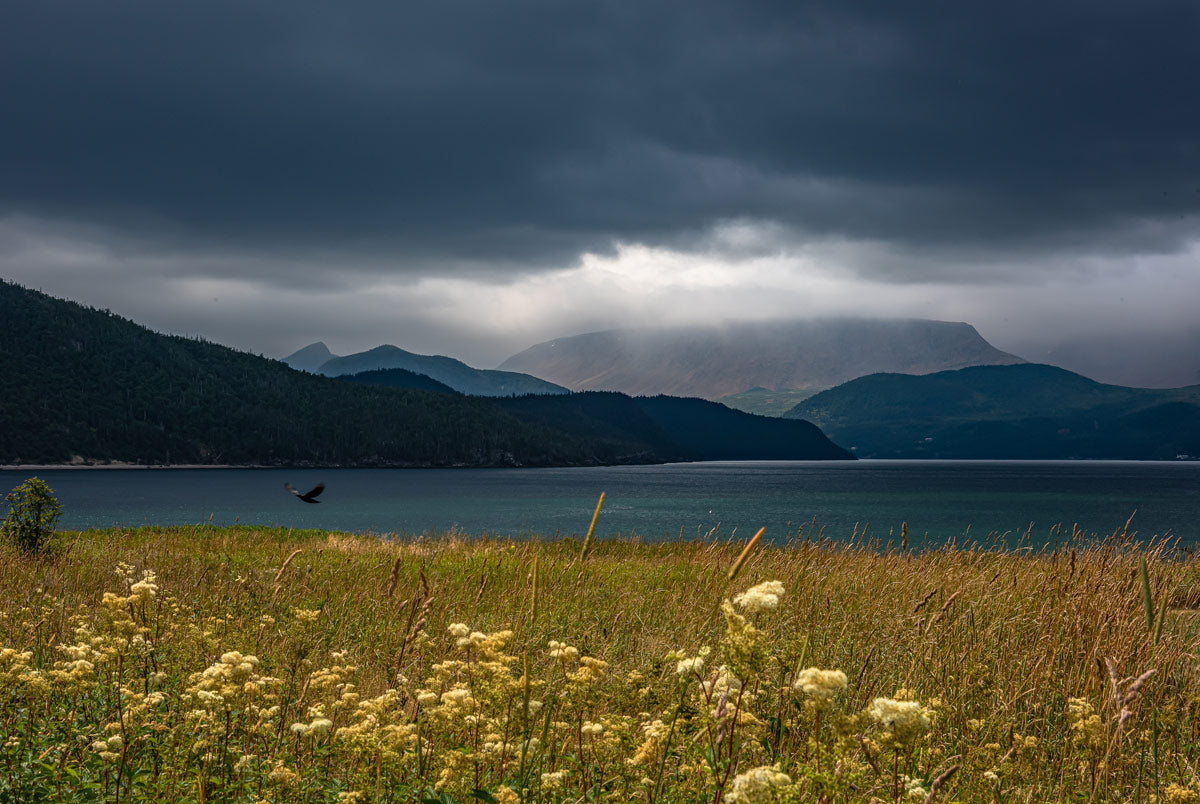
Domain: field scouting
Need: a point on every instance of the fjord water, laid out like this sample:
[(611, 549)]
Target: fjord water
[(940, 500)]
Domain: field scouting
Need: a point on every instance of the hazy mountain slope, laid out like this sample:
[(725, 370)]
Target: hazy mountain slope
[(1023, 411), (716, 361), (82, 384), (1122, 357), (454, 373), (310, 358), (765, 402)]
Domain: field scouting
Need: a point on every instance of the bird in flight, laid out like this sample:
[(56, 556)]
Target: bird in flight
[(308, 497)]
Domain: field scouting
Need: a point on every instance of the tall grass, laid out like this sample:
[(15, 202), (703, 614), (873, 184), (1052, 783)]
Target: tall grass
[(274, 665)]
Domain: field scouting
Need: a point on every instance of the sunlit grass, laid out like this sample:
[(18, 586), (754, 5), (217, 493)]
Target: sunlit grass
[(246, 664)]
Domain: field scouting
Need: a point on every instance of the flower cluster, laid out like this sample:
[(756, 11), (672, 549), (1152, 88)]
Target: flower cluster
[(820, 686), (902, 722), (758, 786), (251, 705), (763, 597)]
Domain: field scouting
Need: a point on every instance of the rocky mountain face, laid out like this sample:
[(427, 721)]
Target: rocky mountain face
[(715, 361)]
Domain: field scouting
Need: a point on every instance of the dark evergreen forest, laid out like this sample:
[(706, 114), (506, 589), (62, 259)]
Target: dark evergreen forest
[(1028, 411), (86, 385)]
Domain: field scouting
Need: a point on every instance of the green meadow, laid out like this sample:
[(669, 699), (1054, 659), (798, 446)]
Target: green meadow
[(243, 664)]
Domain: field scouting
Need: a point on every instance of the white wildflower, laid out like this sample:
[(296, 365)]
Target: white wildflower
[(914, 789), (763, 597), (905, 720), (757, 785), (820, 685), (553, 781), (562, 651)]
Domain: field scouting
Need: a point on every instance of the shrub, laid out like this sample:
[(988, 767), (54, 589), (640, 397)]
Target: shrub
[(32, 512)]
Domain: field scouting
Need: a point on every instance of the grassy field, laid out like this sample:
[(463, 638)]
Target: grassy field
[(246, 665)]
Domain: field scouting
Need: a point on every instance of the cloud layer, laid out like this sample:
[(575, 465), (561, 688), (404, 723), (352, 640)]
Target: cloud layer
[(474, 174)]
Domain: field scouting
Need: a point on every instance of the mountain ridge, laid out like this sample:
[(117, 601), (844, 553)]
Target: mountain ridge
[(715, 361), (310, 358), (447, 370), (1026, 411), (86, 386)]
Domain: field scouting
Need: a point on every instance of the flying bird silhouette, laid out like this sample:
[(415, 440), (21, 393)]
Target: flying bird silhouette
[(308, 497)]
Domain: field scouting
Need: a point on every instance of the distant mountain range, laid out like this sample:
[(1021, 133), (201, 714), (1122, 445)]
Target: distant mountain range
[(317, 358), (1027, 411), (718, 361), (83, 385)]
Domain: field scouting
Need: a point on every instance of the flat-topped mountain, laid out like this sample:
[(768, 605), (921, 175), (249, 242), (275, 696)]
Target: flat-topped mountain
[(317, 359), (1029, 411), (716, 361)]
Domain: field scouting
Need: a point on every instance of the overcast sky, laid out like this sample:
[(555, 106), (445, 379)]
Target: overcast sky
[(469, 178)]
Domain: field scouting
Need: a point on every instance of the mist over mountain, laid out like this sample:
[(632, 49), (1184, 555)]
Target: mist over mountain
[(86, 386), (454, 373), (1139, 359), (715, 361)]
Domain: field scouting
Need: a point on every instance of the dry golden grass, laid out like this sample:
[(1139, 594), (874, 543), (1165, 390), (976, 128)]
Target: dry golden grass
[(1008, 653)]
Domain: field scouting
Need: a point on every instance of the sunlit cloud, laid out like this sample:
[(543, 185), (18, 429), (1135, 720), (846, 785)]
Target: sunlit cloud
[(740, 271)]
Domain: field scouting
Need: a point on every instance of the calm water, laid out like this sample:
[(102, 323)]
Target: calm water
[(943, 499)]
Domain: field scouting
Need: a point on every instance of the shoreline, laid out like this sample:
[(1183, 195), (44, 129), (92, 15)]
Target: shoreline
[(123, 466), (42, 467)]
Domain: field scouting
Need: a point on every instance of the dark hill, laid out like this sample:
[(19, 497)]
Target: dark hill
[(723, 434), (398, 378), (614, 420), (695, 429), (83, 384), (1025, 411), (86, 384), (454, 373)]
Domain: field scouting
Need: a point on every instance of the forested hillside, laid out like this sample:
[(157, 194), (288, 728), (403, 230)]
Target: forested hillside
[(398, 378), (693, 428), (85, 385), (1026, 411), (723, 434), (446, 370)]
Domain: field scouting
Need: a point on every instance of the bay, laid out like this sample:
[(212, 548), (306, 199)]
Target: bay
[(990, 501)]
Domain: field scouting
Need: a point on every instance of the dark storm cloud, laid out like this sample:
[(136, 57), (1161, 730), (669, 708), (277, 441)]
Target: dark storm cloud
[(486, 136)]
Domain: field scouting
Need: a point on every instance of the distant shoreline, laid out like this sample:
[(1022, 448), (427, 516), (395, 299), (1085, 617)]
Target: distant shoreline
[(122, 466), (41, 467)]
